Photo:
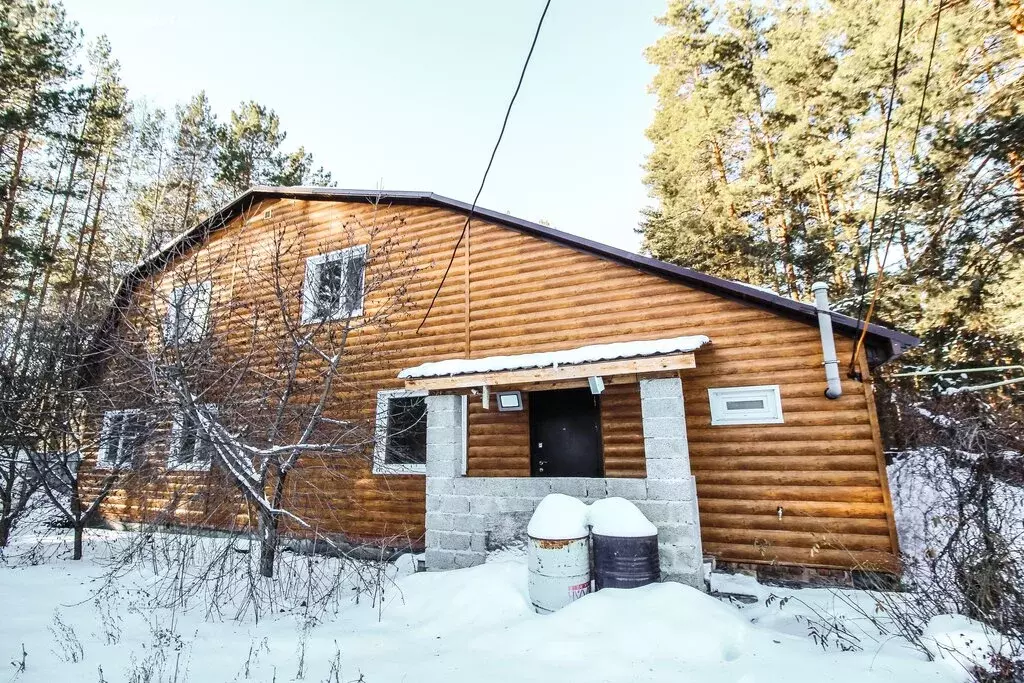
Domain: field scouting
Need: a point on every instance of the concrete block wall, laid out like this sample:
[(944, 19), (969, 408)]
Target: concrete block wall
[(467, 516)]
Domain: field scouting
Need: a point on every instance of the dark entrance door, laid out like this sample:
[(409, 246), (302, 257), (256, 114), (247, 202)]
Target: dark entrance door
[(565, 434)]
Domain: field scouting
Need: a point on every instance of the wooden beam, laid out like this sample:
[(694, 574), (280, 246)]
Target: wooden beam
[(634, 366), (466, 285), (580, 383)]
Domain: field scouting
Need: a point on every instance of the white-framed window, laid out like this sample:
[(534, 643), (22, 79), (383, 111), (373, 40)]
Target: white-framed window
[(746, 405), (191, 449), (400, 444), (188, 313), (121, 439), (333, 288)]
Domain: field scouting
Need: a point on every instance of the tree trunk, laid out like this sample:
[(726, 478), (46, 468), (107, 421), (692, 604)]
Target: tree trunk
[(832, 244), (785, 238), (1017, 171), (87, 264), (151, 241), (719, 162), (904, 239), (79, 517), (48, 269), (26, 298), (76, 553), (191, 190), (1016, 12), (12, 192), (268, 543), (80, 246), (5, 531), (269, 533)]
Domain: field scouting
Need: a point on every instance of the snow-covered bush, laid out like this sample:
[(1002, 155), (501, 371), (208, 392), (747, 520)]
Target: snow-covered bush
[(220, 575), (959, 505)]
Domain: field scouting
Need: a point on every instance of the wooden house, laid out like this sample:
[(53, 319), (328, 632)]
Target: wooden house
[(547, 363)]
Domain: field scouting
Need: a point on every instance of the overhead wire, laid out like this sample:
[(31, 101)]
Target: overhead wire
[(895, 222), (852, 372), (490, 162)]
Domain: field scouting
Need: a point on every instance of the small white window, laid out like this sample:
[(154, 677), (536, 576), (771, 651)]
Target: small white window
[(191, 448), (188, 313), (121, 439), (400, 444), (746, 405), (333, 289)]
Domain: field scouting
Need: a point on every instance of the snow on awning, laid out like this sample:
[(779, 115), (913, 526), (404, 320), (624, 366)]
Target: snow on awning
[(595, 353)]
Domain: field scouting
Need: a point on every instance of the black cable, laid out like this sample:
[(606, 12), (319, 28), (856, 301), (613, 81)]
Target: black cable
[(483, 180), (927, 78), (896, 217), (881, 175)]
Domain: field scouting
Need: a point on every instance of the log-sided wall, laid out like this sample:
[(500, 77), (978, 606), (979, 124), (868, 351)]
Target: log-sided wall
[(509, 292)]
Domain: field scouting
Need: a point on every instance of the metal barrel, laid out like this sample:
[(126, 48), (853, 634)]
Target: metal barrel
[(625, 562), (559, 572)]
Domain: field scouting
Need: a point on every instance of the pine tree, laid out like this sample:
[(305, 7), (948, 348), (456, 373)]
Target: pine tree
[(179, 171), (91, 182), (767, 141), (297, 169), (192, 161), (36, 42), (250, 149), (250, 154)]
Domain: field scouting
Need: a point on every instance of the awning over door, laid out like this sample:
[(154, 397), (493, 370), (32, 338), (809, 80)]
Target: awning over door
[(618, 359)]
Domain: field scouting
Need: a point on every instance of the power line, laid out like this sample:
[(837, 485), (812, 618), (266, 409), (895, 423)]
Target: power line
[(927, 78), (878, 186), (896, 216), (490, 162)]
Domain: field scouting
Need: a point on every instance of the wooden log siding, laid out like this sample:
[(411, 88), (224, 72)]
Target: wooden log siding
[(508, 293)]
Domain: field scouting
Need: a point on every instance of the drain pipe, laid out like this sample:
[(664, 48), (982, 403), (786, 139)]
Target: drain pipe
[(828, 343)]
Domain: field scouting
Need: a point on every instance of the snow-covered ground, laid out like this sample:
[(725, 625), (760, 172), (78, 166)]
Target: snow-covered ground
[(468, 625)]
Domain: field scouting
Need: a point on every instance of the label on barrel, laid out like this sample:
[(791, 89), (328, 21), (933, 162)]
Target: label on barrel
[(579, 590)]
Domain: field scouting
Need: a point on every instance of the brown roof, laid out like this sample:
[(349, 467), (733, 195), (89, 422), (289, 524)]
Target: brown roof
[(883, 343)]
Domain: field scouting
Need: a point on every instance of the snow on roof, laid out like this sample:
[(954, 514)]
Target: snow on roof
[(583, 354)]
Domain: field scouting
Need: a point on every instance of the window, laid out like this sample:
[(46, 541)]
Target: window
[(333, 289), (745, 405), (121, 439), (190, 448), (401, 436), (187, 313), (401, 443)]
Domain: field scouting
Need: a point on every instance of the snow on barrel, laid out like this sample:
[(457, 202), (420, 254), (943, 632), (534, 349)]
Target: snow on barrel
[(559, 553), (625, 545)]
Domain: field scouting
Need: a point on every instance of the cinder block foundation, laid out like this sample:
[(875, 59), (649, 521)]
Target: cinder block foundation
[(467, 516)]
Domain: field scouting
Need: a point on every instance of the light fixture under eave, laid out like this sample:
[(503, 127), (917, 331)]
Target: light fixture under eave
[(509, 401)]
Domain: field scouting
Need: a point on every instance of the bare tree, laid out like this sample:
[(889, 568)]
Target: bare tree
[(56, 469), (246, 349), (40, 411), (16, 489), (958, 492)]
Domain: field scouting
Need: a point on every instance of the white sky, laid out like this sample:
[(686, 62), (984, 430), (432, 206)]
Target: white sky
[(410, 95)]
